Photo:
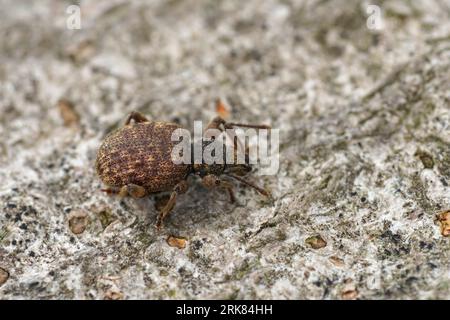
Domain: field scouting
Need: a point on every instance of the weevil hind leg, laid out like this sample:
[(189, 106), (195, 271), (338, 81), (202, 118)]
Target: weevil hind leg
[(110, 190), (180, 188), (131, 190), (136, 117)]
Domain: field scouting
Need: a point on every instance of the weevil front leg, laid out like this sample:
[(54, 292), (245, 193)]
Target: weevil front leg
[(136, 116), (217, 121), (212, 181), (180, 188)]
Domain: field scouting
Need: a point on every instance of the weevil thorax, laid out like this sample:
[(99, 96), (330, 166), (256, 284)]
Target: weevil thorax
[(203, 169)]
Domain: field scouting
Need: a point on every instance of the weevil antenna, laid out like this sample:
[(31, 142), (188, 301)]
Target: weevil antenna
[(230, 125), (259, 189)]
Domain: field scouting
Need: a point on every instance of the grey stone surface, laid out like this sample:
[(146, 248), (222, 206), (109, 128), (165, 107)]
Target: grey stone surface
[(365, 149)]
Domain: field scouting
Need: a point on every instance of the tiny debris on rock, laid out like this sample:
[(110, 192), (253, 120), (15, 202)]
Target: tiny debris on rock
[(444, 219), (68, 112), (113, 294), (316, 242), (177, 242), (78, 221), (4, 275)]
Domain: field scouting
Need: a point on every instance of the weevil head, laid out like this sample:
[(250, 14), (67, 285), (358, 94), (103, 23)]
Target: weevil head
[(204, 169), (218, 169)]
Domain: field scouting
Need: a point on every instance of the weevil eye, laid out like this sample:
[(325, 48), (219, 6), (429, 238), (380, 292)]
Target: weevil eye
[(217, 182)]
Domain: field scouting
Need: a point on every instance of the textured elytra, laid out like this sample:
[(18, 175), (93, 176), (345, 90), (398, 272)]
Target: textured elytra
[(140, 154)]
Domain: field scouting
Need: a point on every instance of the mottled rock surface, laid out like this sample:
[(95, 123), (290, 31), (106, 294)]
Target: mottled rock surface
[(364, 156)]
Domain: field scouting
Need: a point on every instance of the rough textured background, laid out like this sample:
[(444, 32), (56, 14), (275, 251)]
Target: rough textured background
[(365, 150)]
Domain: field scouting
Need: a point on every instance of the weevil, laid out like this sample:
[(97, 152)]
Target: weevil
[(135, 160)]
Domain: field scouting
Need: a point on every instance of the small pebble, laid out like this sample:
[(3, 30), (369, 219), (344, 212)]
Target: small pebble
[(444, 219), (350, 292), (338, 262), (68, 112), (316, 242), (113, 295), (4, 275), (179, 243), (78, 221)]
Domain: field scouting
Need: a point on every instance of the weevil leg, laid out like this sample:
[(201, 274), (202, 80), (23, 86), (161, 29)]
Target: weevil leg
[(216, 124), (230, 190), (161, 201), (180, 188), (217, 121), (262, 191), (132, 190), (110, 191), (136, 116), (211, 181)]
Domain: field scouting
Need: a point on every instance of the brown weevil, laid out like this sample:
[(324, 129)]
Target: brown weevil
[(135, 160)]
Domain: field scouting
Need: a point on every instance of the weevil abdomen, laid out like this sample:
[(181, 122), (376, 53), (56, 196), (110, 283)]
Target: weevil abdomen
[(140, 154)]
